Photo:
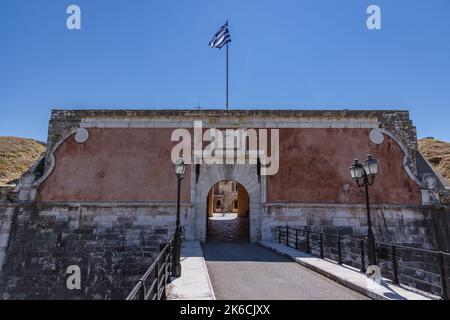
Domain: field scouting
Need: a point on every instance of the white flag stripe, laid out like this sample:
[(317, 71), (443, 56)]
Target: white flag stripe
[(221, 33), (221, 38), (221, 42)]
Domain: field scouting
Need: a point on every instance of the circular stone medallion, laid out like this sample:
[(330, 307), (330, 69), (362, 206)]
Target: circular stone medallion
[(81, 135), (376, 136)]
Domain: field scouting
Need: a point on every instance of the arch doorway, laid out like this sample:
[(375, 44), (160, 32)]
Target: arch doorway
[(228, 208)]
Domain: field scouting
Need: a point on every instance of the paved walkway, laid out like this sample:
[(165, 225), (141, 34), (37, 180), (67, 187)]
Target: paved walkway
[(251, 272), (228, 228), (348, 276), (194, 282)]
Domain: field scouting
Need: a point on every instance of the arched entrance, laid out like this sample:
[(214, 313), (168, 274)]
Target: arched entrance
[(228, 213), (209, 175)]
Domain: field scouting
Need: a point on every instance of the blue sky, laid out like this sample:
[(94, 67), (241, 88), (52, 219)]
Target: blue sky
[(307, 54)]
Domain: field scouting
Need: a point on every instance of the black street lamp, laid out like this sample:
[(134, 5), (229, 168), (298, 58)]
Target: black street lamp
[(180, 168), (366, 172)]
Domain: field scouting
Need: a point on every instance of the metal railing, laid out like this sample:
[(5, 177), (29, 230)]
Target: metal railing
[(152, 286), (427, 270)]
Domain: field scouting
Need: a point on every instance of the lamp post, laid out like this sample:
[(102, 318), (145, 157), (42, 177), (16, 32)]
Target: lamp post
[(180, 168), (364, 175)]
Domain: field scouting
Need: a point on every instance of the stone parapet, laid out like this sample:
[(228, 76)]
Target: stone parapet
[(112, 245)]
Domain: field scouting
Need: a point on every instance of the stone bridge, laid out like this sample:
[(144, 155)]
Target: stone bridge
[(104, 195), (270, 271)]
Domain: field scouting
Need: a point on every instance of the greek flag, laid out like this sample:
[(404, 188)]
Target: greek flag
[(221, 38)]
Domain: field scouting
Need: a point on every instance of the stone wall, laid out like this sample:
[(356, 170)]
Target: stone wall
[(7, 214), (63, 122), (401, 125), (440, 226), (7, 194), (115, 241), (417, 227), (112, 244), (391, 224)]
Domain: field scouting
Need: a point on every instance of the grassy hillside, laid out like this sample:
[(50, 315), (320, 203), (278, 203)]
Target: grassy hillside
[(438, 154), (17, 155)]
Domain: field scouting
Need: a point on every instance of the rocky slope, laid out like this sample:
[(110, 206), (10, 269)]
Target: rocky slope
[(17, 155), (438, 154)]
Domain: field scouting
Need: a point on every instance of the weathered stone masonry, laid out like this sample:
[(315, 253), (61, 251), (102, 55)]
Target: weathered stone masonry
[(108, 202), (113, 245)]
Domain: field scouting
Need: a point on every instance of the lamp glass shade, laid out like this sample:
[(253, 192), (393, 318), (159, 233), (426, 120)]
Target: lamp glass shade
[(180, 168), (356, 170), (371, 166)]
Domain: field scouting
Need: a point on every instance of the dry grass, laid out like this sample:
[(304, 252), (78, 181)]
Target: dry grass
[(17, 155), (438, 154)]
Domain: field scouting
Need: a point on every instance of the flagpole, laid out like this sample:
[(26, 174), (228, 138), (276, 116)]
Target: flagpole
[(227, 78)]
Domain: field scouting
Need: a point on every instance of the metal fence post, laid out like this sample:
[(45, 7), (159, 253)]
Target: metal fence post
[(142, 291), (321, 246), (163, 294), (158, 276), (287, 236), (363, 260), (157, 279), (170, 260), (394, 265), (339, 251), (444, 293), (308, 245), (296, 239), (279, 234)]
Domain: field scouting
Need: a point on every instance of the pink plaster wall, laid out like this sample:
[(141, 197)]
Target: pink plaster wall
[(134, 165), (115, 165), (314, 168)]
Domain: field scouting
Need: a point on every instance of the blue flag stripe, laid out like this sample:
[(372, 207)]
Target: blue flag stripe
[(221, 38)]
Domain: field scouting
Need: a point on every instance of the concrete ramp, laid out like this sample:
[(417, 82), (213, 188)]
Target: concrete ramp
[(251, 272), (194, 282)]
